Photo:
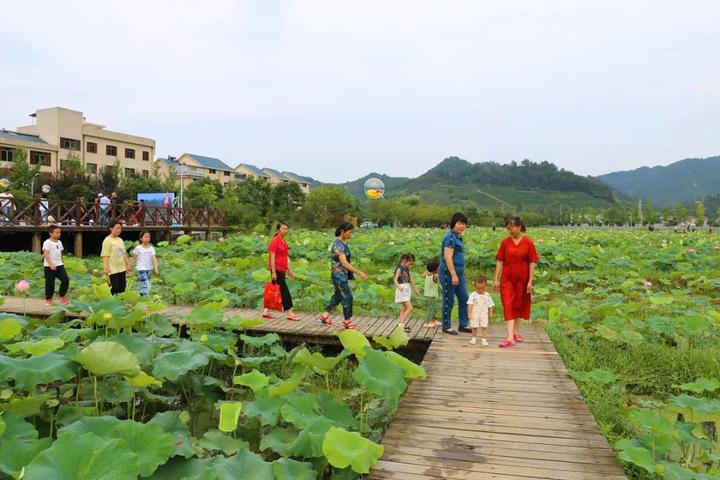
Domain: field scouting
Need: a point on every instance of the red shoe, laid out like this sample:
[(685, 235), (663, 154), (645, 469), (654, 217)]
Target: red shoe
[(63, 300), (506, 344), (268, 315), (325, 318), (293, 318), (518, 337), (49, 301), (350, 325)]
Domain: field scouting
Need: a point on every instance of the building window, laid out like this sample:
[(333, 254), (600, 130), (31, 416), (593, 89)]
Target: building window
[(212, 171), (129, 172), (91, 168), (240, 176), (39, 158), (146, 156), (91, 147), (111, 150), (6, 154), (227, 174), (146, 173), (129, 153), (69, 143)]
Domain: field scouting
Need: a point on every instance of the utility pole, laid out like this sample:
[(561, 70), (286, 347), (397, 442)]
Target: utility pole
[(640, 212)]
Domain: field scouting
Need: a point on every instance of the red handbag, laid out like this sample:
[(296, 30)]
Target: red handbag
[(272, 299)]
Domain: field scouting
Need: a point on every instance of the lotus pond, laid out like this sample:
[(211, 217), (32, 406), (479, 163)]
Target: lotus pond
[(634, 315)]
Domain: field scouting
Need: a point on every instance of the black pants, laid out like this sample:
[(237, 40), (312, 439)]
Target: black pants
[(50, 276), (118, 282), (284, 291)]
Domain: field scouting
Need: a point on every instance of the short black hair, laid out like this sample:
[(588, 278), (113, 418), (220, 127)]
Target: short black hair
[(458, 217), (433, 265), (113, 223), (52, 228), (517, 221), (142, 234), (344, 227), (481, 279)]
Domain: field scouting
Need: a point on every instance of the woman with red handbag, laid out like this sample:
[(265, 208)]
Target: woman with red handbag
[(279, 264)]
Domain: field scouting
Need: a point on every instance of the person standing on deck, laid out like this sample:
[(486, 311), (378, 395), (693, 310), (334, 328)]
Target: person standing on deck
[(452, 275), (279, 263), (514, 275)]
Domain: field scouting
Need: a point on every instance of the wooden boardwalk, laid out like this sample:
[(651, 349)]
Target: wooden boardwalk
[(482, 413)]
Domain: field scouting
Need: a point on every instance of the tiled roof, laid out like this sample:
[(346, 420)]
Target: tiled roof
[(276, 174), (22, 137), (167, 161), (300, 178), (254, 170), (209, 162)]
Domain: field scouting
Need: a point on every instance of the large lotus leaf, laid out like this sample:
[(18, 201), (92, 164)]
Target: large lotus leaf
[(9, 328), (412, 370), (29, 372), (701, 385), (631, 453), (69, 414), (343, 448), (18, 443), (114, 390), (336, 410), (149, 442), (173, 365), (143, 347), (283, 388), (288, 469), (183, 469), (239, 323), (229, 416), (37, 348), (175, 423), (243, 466), (266, 408), (184, 288), (696, 404), (398, 338), (204, 316), (84, 457), (301, 409), (309, 441), (216, 440), (253, 362), (354, 341), (380, 376), (108, 358), (27, 406), (255, 380), (100, 426), (316, 360), (278, 440), (143, 380)]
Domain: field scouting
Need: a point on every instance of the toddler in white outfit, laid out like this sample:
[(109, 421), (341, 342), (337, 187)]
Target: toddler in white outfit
[(480, 309)]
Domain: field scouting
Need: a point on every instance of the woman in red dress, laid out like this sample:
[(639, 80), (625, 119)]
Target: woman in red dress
[(279, 263), (514, 273)]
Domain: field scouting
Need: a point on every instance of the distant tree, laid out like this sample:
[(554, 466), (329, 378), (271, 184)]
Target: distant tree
[(108, 179), (681, 212), (203, 193), (255, 193), (130, 186), (327, 204), (649, 213), (667, 215), (21, 175), (72, 182), (699, 211), (287, 198)]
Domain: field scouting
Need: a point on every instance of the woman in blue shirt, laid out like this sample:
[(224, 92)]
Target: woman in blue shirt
[(452, 275), (342, 272)]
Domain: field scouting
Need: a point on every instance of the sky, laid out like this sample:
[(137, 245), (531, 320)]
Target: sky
[(337, 89)]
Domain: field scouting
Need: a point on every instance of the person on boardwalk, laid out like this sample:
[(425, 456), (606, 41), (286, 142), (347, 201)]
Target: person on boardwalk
[(404, 286), (514, 275), (7, 206), (146, 263), (103, 204), (480, 310), (115, 260), (430, 293), (279, 264), (452, 275), (54, 268), (342, 271)]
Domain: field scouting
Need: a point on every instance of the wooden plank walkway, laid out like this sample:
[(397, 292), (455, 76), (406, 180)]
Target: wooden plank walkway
[(493, 413), (482, 413), (308, 328)]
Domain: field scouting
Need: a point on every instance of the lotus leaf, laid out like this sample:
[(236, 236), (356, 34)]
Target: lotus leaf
[(255, 380), (343, 449), (29, 372)]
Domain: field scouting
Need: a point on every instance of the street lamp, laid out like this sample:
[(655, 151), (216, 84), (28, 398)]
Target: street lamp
[(32, 184)]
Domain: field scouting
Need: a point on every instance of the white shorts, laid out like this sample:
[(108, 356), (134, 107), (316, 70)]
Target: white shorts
[(403, 294), (477, 322)]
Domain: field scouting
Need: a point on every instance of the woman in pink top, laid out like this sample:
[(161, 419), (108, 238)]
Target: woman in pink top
[(280, 269)]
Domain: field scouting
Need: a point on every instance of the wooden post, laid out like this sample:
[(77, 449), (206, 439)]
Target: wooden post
[(36, 242), (78, 244)]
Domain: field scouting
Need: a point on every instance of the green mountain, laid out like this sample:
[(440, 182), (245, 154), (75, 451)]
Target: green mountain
[(515, 186), (684, 181)]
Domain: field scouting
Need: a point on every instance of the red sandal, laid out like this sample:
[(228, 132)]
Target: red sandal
[(325, 318), (350, 325), (293, 318), (268, 315), (506, 344), (518, 337)]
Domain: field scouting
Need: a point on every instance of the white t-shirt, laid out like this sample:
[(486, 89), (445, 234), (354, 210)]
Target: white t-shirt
[(144, 257), (482, 303), (54, 248)]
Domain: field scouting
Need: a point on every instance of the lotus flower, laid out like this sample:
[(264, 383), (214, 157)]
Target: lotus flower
[(647, 284), (22, 286), (691, 250)]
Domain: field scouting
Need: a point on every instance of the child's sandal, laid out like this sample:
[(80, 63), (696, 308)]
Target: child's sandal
[(325, 318)]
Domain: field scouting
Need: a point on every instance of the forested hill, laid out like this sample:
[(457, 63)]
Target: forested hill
[(683, 181), (525, 175)]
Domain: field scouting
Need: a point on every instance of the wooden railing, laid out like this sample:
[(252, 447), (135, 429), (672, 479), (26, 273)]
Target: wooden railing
[(39, 212)]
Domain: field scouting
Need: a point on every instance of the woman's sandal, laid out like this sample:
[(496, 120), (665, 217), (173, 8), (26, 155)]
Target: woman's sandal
[(325, 318), (506, 343), (350, 325), (293, 318), (268, 315), (518, 337)]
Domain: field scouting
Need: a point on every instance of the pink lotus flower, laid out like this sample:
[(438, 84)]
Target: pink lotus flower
[(647, 284), (22, 286), (692, 250)]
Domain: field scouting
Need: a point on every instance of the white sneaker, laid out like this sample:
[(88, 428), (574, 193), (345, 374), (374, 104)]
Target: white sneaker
[(473, 341), (483, 342)]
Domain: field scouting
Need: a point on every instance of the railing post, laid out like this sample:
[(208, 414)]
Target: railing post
[(36, 215), (78, 216)]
